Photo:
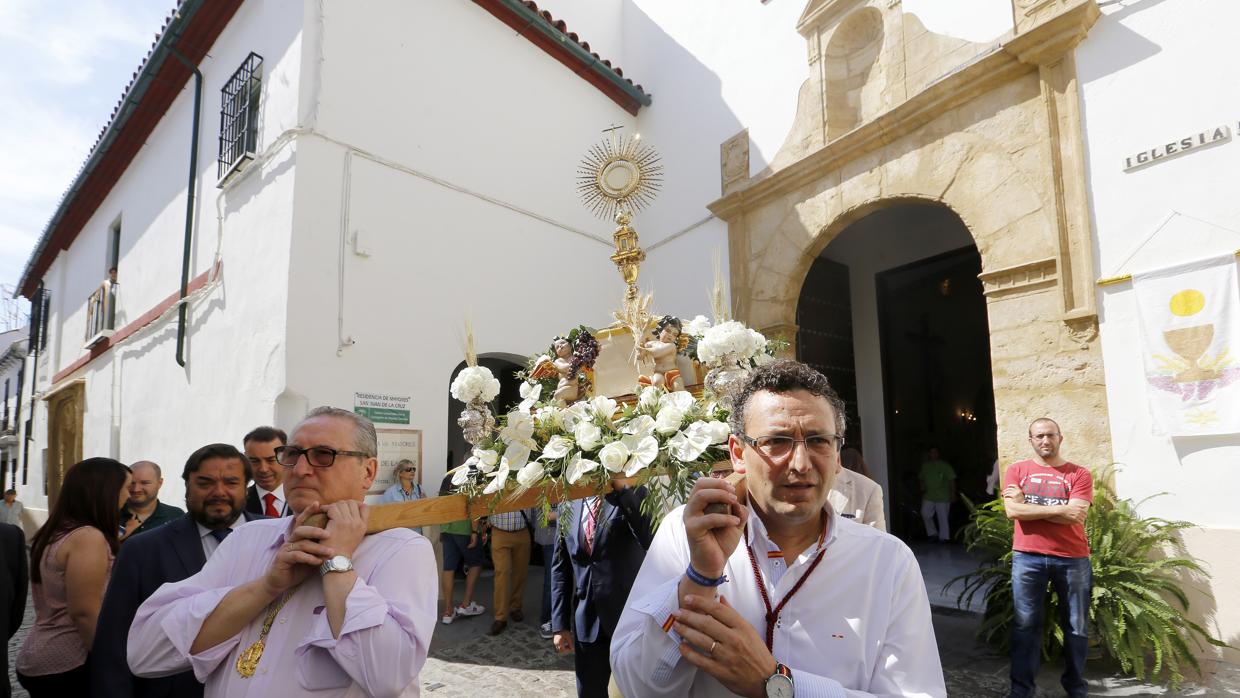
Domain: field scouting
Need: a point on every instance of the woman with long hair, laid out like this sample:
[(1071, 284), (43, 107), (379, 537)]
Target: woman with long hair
[(70, 560)]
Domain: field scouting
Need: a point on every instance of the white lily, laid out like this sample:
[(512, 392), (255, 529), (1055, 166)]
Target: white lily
[(530, 393), (499, 478), (572, 415), (641, 425), (460, 475), (642, 452), (557, 447), (530, 474), (689, 444), (604, 407), (483, 459), (515, 456), (519, 429), (579, 466)]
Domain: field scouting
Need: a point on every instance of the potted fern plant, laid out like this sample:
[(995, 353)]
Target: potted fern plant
[(1138, 606)]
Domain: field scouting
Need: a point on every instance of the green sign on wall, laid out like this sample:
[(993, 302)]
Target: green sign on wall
[(382, 409)]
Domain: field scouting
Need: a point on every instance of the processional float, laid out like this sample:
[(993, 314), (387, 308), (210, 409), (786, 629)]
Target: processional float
[(642, 401)]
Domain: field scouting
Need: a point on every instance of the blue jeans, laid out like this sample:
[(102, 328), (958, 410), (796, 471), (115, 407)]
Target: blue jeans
[(1072, 578)]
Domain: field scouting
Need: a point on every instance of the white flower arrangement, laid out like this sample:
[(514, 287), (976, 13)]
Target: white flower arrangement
[(665, 441), (730, 344), (475, 383)]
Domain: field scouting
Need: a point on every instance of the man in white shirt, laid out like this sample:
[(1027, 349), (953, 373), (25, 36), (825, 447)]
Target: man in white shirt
[(779, 596), (266, 495)]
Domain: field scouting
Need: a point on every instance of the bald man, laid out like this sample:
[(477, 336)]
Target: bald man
[(144, 511)]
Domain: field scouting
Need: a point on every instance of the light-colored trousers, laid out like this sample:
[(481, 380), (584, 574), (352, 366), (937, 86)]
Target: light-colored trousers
[(511, 554), (929, 510)]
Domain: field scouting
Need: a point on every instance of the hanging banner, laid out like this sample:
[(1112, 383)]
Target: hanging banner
[(1190, 327)]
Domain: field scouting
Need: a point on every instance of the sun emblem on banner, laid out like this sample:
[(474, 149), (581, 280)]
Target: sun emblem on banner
[(1191, 372)]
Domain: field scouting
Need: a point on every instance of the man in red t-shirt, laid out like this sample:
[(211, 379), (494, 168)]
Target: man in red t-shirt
[(1048, 498)]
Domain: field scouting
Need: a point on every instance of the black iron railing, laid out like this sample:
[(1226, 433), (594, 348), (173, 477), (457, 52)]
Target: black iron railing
[(239, 101)]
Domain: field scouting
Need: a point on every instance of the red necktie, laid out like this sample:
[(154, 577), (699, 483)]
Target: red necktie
[(591, 524), (271, 505)]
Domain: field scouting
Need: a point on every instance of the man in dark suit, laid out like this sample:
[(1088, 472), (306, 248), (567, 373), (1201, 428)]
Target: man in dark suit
[(13, 582), (596, 560), (266, 495), (215, 479)]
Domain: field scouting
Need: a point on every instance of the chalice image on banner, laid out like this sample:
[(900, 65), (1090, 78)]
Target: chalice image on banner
[(1190, 343)]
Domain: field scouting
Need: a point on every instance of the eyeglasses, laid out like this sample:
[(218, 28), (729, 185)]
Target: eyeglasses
[(780, 447), (316, 456), (407, 470)]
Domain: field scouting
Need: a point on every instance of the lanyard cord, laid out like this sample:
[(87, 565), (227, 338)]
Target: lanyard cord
[(772, 615)]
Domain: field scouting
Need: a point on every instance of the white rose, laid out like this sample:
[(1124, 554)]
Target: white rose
[(718, 431), (649, 398), (529, 475), (604, 407), (669, 419), (613, 456), (557, 447), (680, 399), (587, 435), (697, 326)]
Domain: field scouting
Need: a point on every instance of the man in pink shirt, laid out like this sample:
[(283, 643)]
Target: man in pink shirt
[(1048, 498), (289, 609)]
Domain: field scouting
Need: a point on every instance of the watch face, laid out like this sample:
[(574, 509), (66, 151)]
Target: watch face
[(779, 686), (339, 563)]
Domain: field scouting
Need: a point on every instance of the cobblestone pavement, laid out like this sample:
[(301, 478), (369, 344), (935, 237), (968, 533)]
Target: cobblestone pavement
[(465, 662)]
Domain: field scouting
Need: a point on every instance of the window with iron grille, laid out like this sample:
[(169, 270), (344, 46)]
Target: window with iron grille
[(239, 100)]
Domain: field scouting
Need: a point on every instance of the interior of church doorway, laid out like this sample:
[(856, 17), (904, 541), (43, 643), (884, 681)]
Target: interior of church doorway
[(892, 312)]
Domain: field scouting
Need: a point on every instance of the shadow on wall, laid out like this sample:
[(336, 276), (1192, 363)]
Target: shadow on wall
[(687, 121)]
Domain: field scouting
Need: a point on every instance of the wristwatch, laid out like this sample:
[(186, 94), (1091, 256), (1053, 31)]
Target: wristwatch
[(339, 563), (779, 684)]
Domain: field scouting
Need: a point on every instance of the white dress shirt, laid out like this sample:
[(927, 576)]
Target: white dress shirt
[(280, 505), (859, 626), (209, 543), (384, 639)]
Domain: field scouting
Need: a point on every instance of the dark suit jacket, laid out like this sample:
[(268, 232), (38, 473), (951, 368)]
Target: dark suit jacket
[(14, 579), (170, 553), (588, 591), (254, 505)]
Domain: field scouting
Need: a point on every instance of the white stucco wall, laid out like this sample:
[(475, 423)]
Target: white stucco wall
[(1147, 77), (460, 185), (1146, 60), (139, 403)]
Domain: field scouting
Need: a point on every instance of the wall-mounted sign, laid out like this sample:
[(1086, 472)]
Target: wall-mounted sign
[(396, 445), (382, 409), (1178, 146)]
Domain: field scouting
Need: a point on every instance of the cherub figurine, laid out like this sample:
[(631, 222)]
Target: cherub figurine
[(663, 349), (572, 353)]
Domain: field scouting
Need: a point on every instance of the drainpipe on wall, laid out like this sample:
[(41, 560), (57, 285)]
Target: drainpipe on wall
[(189, 205)]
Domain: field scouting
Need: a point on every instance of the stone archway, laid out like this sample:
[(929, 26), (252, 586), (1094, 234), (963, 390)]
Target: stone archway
[(997, 141)]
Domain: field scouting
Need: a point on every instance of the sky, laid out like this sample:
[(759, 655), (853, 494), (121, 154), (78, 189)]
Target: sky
[(63, 67)]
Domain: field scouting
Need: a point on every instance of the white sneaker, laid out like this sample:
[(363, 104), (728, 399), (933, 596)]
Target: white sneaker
[(473, 609), (447, 620)]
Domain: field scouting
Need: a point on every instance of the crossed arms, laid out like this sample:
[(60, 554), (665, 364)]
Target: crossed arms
[(1014, 505)]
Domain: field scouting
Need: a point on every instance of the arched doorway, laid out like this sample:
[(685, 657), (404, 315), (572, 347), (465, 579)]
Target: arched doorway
[(504, 367), (893, 312)]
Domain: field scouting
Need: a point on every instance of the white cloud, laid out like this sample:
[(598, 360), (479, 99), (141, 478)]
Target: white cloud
[(64, 67)]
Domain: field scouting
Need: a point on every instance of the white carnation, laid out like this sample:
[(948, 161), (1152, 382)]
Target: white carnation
[(475, 383), (697, 326)]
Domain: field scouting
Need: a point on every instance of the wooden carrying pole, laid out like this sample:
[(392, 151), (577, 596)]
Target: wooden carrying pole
[(457, 507)]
